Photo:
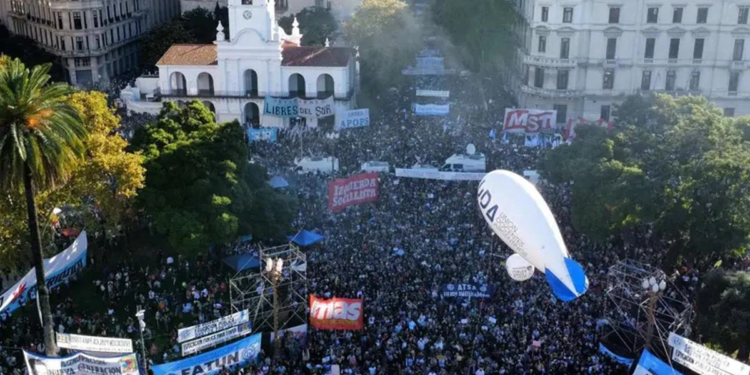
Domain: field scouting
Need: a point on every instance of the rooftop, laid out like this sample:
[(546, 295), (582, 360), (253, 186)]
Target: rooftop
[(292, 55), (189, 54)]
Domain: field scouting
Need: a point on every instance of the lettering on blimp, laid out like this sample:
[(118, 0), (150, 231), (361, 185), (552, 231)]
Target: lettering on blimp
[(504, 227)]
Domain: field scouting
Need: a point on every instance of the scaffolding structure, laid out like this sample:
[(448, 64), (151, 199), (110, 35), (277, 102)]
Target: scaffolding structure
[(252, 290), (635, 316)]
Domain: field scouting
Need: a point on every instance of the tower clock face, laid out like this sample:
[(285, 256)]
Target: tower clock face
[(248, 14)]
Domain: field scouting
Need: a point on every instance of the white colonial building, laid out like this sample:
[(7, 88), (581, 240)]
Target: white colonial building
[(584, 56), (233, 76)]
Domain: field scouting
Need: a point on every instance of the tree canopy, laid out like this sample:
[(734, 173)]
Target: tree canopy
[(200, 189), (29, 52), (315, 24), (724, 311), (676, 165)]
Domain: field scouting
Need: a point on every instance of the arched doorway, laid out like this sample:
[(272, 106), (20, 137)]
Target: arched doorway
[(252, 115), (205, 84), (251, 83), (210, 106), (297, 85), (325, 86), (177, 84)]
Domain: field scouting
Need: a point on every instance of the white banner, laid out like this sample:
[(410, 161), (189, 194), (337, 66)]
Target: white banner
[(703, 360), (213, 326), (94, 344), (438, 175), (315, 108), (195, 346), (81, 364), (352, 119), (432, 109), (434, 93)]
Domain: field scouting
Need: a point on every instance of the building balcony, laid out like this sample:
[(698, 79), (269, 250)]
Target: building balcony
[(252, 94), (549, 62), (551, 93), (607, 63)]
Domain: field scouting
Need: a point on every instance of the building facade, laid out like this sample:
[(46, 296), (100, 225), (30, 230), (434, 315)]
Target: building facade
[(234, 76), (341, 9), (584, 56), (95, 39)]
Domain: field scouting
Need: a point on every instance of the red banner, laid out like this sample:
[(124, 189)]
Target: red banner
[(358, 189), (529, 121), (336, 313)]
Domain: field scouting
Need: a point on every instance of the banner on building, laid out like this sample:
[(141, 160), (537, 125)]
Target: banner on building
[(434, 174), (316, 108), (263, 134), (234, 354), (572, 123), (299, 332), (353, 119), (702, 360), (94, 343), (336, 313), (529, 121), (81, 363), (467, 290), (197, 345), (432, 109), (434, 93), (200, 330), (57, 270), (357, 189), (280, 107)]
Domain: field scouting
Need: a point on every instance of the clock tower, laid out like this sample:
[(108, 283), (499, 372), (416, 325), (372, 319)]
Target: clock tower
[(258, 15)]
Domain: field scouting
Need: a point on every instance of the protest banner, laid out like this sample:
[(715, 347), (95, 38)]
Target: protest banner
[(357, 189), (237, 353), (192, 347), (57, 270), (431, 109), (263, 134), (81, 363), (280, 107), (529, 121), (434, 93), (466, 290), (316, 108), (703, 360), (336, 313), (94, 343), (434, 174), (352, 119), (200, 330), (299, 332)]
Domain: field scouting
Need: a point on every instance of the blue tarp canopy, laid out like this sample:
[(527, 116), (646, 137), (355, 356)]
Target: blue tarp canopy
[(306, 238), (278, 182), (242, 262)]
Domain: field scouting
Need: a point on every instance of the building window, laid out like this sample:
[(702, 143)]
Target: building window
[(609, 79), (674, 48), (542, 44), (545, 14), (739, 49), (86, 61), (77, 20), (96, 20), (646, 80), (611, 48), (614, 15), (526, 74), (98, 42), (702, 15), (653, 15), (605, 112), (650, 43), (79, 43), (698, 49), (671, 79), (729, 112), (59, 21), (562, 79), (562, 112), (742, 18), (538, 77), (677, 15), (695, 80), (734, 81), (565, 48), (247, 2), (567, 15)]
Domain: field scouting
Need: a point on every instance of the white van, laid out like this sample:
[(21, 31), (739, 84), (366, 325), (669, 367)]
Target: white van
[(376, 166), (425, 167), (465, 163), (316, 164)]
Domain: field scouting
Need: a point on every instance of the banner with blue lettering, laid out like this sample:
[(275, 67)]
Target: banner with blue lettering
[(235, 354), (316, 108), (432, 109), (467, 290), (352, 119), (263, 134), (57, 269), (280, 107)]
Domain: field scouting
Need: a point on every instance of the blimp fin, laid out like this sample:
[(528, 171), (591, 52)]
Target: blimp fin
[(580, 282)]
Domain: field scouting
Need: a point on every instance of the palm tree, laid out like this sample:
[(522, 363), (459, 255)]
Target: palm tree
[(41, 141)]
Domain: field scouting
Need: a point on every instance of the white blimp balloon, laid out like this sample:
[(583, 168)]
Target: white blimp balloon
[(518, 214), (518, 268)]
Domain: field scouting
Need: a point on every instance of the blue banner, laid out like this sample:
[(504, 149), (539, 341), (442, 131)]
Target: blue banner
[(651, 364), (467, 290), (353, 119), (281, 107), (263, 134), (432, 109), (623, 360), (235, 354)]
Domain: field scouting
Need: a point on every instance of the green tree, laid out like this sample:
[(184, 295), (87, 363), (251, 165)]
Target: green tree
[(316, 24), (153, 46), (200, 189), (202, 24), (675, 164), (41, 142), (29, 52), (723, 311)]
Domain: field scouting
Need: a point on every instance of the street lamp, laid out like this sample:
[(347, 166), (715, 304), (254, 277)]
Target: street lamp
[(142, 327), (334, 137), (654, 288), (273, 270)]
